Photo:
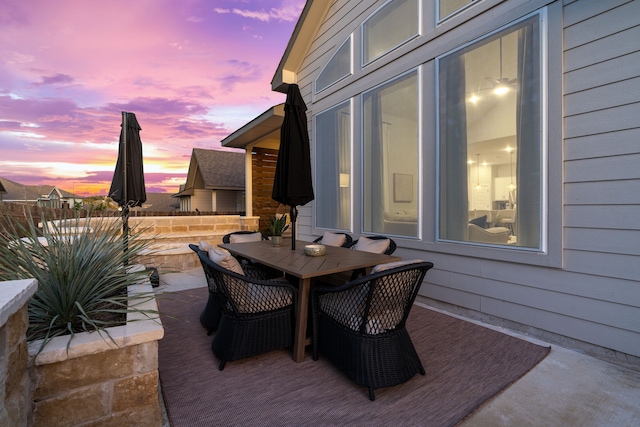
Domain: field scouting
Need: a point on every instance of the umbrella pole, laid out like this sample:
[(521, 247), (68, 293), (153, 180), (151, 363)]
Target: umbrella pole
[(294, 216)]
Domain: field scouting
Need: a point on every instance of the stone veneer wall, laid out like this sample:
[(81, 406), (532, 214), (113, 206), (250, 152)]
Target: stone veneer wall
[(96, 382), (171, 236), (15, 395)]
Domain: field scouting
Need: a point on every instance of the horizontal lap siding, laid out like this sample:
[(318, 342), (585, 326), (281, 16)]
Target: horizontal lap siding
[(595, 296), (602, 126), (334, 30), (601, 177)]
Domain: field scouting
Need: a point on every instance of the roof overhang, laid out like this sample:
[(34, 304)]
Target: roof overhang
[(187, 192), (263, 131), (307, 27)]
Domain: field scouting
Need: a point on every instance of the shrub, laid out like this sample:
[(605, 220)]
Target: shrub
[(82, 276)]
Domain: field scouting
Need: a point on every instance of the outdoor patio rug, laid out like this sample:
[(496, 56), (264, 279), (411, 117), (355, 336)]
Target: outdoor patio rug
[(466, 364)]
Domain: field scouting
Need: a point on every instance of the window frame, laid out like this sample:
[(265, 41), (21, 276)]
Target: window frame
[(363, 62), (419, 141), (550, 252), (354, 179), (349, 40)]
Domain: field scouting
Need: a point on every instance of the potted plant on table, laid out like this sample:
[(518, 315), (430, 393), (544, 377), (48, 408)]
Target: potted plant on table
[(277, 227)]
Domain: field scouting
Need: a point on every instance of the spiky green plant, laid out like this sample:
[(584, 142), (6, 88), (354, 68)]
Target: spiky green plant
[(278, 225), (82, 278)]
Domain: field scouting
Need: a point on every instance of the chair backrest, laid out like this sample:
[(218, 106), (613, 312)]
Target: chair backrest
[(505, 215), (211, 283), (365, 244), (243, 236), (378, 302), (245, 294), (329, 238)]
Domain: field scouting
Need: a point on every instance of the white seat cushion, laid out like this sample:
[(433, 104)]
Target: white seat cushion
[(243, 238), (333, 239), (370, 245)]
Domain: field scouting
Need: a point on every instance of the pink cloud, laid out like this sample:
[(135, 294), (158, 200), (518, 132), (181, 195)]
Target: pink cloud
[(190, 74)]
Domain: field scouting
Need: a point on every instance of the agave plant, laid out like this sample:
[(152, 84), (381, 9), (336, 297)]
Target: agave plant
[(82, 276)]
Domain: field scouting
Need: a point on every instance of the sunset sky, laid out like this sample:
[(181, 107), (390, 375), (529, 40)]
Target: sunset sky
[(192, 71)]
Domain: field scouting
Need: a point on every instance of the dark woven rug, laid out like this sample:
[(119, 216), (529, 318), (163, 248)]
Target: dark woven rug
[(466, 365)]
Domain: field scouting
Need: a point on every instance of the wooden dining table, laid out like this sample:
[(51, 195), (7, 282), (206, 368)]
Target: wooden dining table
[(306, 269)]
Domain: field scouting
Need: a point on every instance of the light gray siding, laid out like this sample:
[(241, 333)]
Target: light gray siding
[(202, 200), (594, 295)]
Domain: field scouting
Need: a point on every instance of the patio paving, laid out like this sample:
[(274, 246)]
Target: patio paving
[(567, 388)]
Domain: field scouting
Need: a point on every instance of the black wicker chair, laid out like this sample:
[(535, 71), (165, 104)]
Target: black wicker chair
[(257, 315), (245, 236), (388, 251), (210, 316), (347, 243), (360, 326)]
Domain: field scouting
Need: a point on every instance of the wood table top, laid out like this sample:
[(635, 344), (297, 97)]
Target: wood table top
[(296, 263)]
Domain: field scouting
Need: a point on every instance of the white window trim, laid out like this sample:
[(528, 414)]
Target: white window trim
[(548, 254)]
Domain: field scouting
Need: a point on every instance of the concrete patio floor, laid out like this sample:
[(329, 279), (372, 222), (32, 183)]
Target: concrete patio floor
[(567, 388)]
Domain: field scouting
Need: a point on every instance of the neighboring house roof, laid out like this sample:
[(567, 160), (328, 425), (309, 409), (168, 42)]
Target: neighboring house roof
[(16, 192), (214, 170), (48, 190), (160, 202)]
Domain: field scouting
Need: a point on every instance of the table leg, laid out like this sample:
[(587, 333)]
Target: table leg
[(302, 312)]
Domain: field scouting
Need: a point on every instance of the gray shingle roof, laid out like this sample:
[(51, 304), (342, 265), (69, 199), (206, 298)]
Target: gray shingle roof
[(18, 192), (221, 169)]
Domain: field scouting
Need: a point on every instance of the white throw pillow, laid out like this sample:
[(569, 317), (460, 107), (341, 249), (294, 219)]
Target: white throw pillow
[(204, 246), (333, 239), (243, 238), (371, 245), (388, 266), (224, 259)]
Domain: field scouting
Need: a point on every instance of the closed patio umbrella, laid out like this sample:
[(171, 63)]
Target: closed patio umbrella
[(127, 186), (292, 184)]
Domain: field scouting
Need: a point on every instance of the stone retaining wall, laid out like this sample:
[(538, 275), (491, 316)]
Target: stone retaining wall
[(171, 236), (15, 393), (97, 381)]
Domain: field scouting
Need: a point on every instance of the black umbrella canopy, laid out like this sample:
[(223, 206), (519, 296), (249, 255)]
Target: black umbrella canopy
[(292, 184), (127, 186)]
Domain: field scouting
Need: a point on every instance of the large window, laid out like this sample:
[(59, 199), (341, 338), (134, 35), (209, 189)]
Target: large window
[(395, 23), (490, 139), (333, 168), (390, 157)]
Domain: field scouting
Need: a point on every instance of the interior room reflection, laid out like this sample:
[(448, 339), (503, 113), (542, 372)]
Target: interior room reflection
[(491, 133)]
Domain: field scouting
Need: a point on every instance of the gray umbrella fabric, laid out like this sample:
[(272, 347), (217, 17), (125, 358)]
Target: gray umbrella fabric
[(292, 184)]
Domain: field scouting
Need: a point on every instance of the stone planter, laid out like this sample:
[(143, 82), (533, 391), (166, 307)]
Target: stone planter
[(97, 382)]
